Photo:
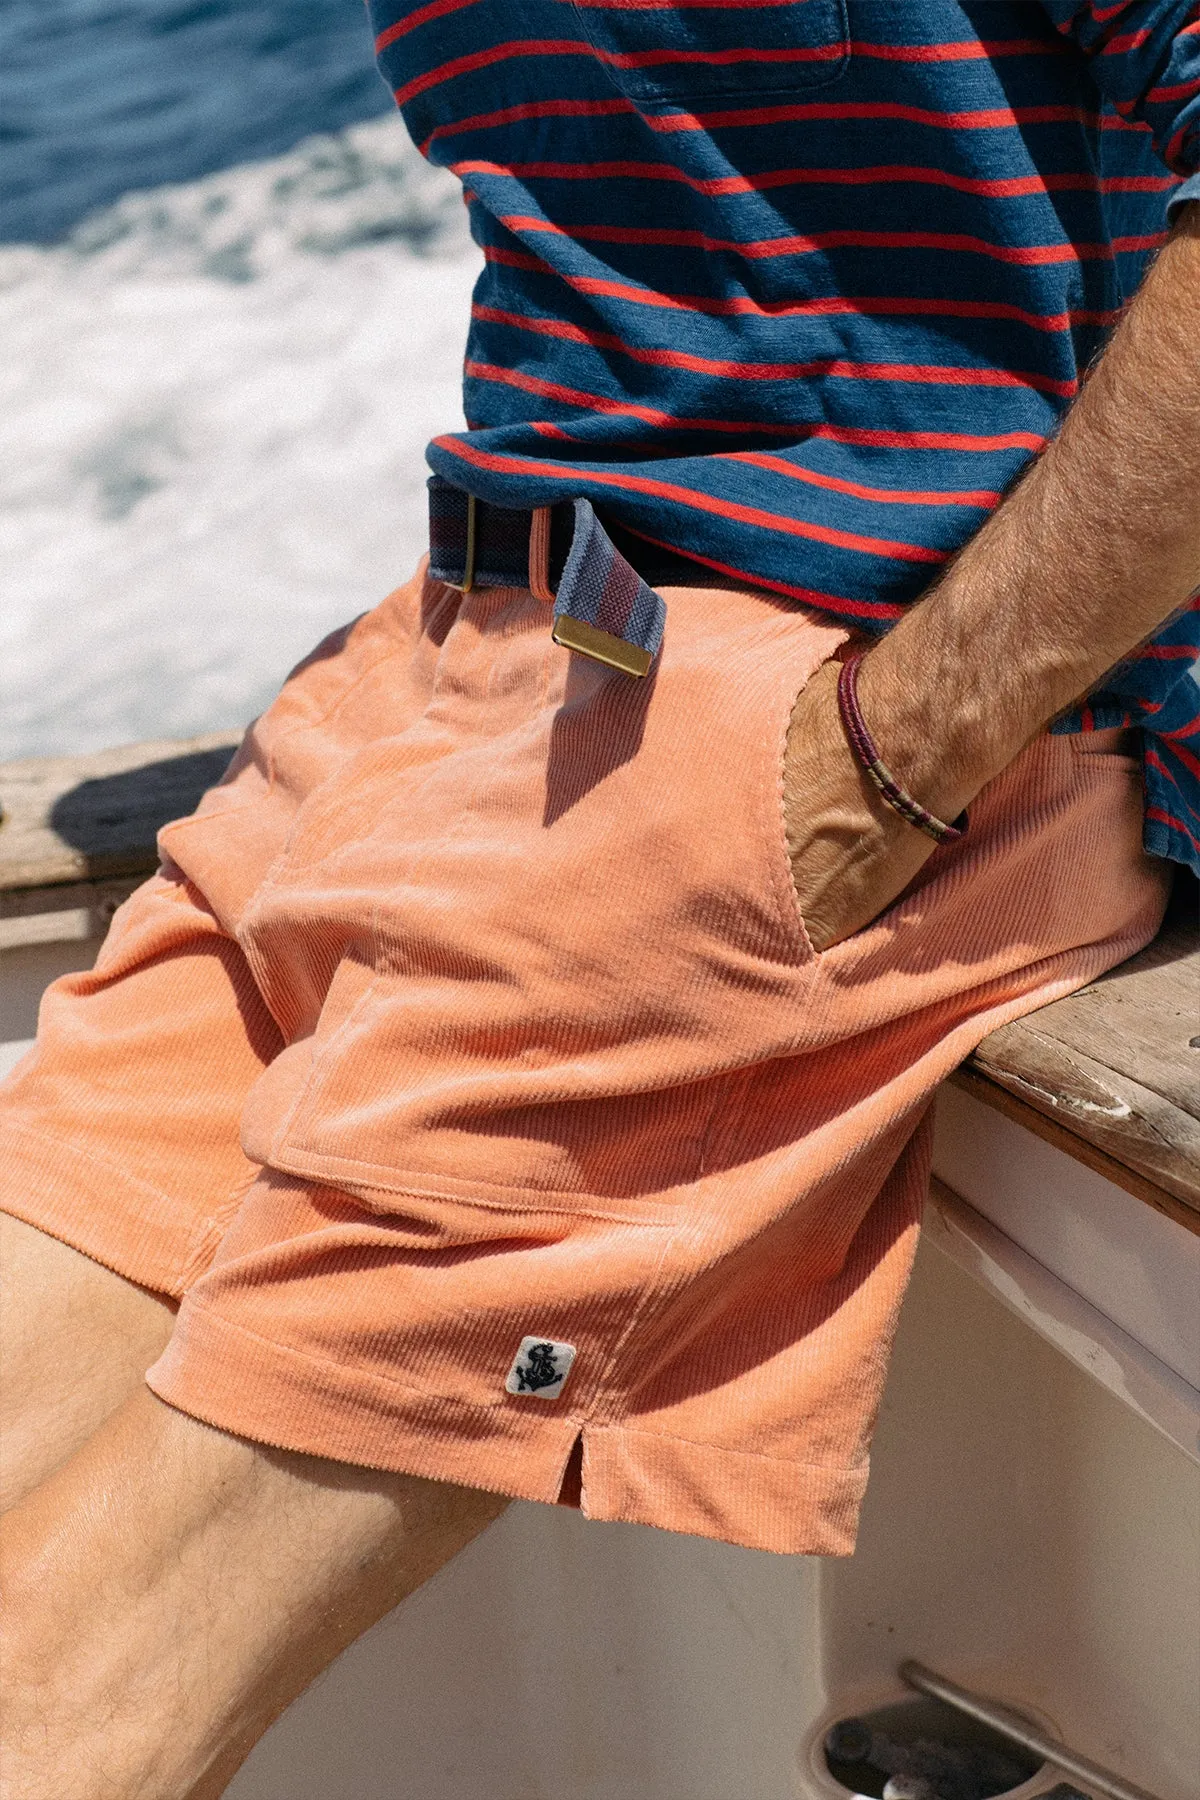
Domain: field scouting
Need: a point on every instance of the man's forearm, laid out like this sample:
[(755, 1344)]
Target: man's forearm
[(1095, 548)]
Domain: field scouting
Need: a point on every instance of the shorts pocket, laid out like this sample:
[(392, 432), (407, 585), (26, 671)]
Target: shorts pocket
[(1110, 747), (707, 51)]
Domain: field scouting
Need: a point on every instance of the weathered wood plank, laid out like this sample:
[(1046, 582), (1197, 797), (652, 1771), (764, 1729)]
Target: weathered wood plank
[(73, 818), (73, 912), (1096, 1102), (1137, 1020), (1045, 1126), (1117, 1065)]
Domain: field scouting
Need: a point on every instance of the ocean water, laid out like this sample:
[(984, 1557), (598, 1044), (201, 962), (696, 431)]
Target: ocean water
[(214, 397), (98, 97)]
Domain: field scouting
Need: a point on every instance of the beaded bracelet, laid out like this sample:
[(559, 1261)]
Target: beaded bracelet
[(863, 745)]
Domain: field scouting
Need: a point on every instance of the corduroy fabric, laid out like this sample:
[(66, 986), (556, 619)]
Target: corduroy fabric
[(492, 958)]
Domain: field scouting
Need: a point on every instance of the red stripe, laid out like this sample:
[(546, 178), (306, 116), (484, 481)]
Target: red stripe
[(1160, 813), (866, 609), (1023, 255), (1136, 184), (989, 118), (983, 119), (1166, 652), (437, 9), (1036, 255), (930, 440), (763, 459), (1126, 40), (998, 187), (624, 409), (1181, 90), (1165, 818), (570, 109), (727, 509), (936, 374), (656, 59), (1187, 757), (517, 259), (1174, 149), (482, 59), (529, 109), (1151, 240), (837, 434), (867, 176), (832, 305), (958, 50)]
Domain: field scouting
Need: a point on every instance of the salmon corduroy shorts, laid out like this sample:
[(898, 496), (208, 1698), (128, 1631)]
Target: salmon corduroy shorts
[(470, 1037)]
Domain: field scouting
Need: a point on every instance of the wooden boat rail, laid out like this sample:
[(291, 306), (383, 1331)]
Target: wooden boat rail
[(1110, 1075)]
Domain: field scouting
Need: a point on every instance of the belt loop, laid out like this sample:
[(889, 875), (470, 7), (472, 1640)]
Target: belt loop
[(468, 580), (539, 555)]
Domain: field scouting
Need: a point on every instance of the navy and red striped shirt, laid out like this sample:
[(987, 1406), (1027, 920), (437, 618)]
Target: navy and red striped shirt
[(798, 287)]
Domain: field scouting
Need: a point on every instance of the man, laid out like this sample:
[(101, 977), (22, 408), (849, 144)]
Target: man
[(577, 942)]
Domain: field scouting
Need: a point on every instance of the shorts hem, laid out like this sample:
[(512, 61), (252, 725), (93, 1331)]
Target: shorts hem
[(90, 1205), (259, 1388), (272, 1393), (742, 1497)]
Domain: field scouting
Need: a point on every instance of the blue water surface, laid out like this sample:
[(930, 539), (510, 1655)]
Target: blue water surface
[(101, 96)]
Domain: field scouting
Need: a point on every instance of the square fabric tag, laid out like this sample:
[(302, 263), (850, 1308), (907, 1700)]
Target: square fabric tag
[(540, 1367)]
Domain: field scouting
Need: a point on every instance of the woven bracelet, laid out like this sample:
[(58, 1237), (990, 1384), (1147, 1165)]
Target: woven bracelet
[(863, 745)]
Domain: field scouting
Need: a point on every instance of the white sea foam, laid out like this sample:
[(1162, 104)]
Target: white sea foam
[(213, 405)]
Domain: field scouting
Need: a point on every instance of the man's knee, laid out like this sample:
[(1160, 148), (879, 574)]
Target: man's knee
[(75, 1341), (172, 1588)]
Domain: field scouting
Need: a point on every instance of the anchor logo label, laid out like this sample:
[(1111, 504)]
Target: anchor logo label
[(539, 1366), (539, 1370)]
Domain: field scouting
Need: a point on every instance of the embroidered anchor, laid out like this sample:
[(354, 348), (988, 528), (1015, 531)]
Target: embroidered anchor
[(539, 1371), (540, 1368)]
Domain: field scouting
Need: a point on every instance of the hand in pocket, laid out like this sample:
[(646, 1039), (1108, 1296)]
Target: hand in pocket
[(851, 855)]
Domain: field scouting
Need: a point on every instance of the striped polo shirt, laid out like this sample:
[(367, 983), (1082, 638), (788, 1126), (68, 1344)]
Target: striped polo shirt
[(797, 288)]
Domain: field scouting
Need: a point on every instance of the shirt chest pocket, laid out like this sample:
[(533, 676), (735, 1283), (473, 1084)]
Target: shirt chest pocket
[(714, 48)]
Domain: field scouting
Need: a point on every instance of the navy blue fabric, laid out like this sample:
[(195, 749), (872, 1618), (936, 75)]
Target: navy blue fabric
[(797, 288)]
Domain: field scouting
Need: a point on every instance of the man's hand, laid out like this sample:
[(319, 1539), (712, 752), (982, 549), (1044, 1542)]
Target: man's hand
[(851, 854), (1095, 548)]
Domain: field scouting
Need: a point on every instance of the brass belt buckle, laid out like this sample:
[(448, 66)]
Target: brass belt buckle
[(601, 646)]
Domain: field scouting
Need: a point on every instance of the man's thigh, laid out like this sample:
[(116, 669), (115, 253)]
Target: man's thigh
[(171, 1588), (75, 1342)]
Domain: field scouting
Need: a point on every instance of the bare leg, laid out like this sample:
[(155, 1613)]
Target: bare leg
[(171, 1589), (75, 1341)]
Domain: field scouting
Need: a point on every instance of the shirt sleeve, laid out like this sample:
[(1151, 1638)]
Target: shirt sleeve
[(1145, 57)]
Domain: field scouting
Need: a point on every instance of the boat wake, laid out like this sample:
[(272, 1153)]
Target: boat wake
[(215, 403)]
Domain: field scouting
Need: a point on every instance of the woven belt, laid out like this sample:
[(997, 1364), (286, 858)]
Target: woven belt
[(602, 607)]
